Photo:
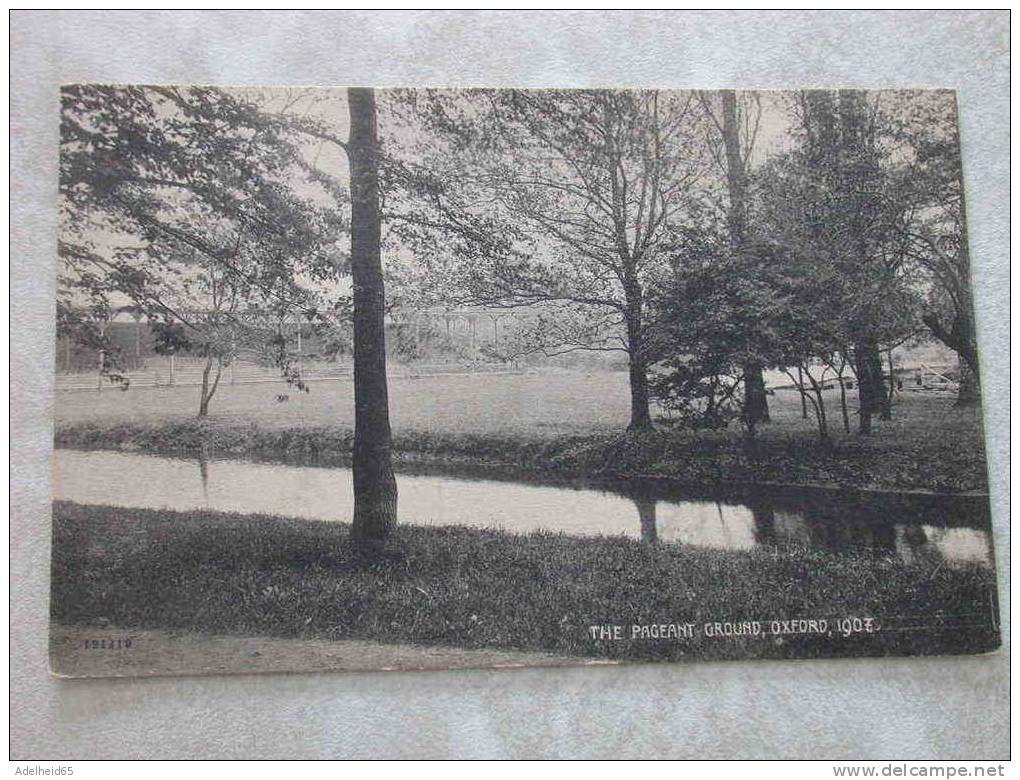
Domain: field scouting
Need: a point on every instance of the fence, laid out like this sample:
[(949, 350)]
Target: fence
[(187, 372)]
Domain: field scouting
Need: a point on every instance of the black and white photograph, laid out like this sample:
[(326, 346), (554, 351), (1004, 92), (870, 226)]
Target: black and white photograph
[(365, 379)]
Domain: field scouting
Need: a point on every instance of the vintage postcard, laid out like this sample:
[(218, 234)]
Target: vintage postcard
[(358, 379)]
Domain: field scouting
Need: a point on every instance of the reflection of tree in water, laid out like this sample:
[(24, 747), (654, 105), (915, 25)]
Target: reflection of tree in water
[(839, 528), (912, 543), (646, 514), (764, 515), (203, 470), (835, 525), (832, 526), (884, 539)]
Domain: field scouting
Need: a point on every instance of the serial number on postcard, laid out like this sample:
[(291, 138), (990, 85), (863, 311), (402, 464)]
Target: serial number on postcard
[(106, 643)]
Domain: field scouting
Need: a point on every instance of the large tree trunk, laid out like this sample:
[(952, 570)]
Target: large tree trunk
[(375, 489), (736, 171), (640, 413), (960, 339), (756, 407), (969, 393), (871, 387)]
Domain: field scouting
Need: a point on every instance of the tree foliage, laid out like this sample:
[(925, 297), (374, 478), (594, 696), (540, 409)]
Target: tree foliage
[(186, 204), (584, 190)]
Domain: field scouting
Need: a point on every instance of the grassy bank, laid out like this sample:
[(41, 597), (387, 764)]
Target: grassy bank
[(543, 422), (916, 452), (259, 575)]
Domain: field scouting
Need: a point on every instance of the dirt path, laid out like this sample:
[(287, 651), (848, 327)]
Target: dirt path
[(77, 651)]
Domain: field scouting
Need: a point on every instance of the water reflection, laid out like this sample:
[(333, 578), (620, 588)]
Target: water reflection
[(913, 528), (764, 517), (646, 517), (203, 471)]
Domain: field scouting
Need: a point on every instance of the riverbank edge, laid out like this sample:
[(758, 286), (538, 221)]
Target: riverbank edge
[(262, 575), (656, 457)]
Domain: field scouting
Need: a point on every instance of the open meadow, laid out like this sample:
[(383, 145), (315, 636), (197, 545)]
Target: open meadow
[(529, 403)]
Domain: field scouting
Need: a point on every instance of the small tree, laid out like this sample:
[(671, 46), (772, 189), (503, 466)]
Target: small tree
[(718, 312)]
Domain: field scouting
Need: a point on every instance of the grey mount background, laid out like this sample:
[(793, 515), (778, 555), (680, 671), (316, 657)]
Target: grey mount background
[(882, 709)]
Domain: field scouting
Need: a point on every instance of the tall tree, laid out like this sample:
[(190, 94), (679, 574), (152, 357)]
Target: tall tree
[(597, 180), (932, 190), (737, 125), (852, 218), (375, 489)]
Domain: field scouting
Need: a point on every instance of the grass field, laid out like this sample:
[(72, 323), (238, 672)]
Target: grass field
[(563, 402), (560, 422), (260, 575)]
